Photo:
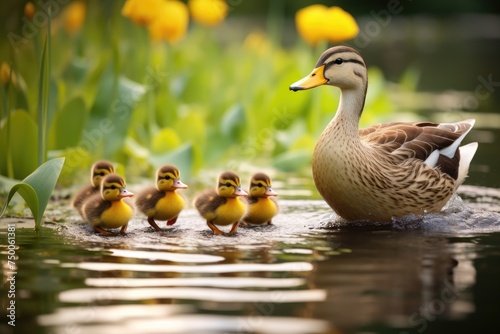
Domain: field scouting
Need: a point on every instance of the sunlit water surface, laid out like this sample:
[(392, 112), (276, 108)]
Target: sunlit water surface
[(307, 273)]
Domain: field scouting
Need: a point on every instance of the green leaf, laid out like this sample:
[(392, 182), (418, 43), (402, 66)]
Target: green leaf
[(293, 161), (22, 141), (37, 188), (66, 131), (233, 121), (182, 158), (111, 113), (128, 94), (165, 140)]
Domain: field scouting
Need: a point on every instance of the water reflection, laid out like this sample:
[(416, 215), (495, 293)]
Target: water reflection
[(397, 278), (295, 276)]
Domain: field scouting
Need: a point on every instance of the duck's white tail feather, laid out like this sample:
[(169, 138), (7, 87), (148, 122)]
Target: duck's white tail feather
[(450, 150), (466, 154)]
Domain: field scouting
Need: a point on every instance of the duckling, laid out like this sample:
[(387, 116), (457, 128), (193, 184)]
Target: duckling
[(98, 171), (261, 208), (162, 202), (223, 207), (109, 208)]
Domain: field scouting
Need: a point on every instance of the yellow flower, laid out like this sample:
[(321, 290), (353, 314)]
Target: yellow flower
[(141, 12), (7, 74), (170, 22), (342, 25), (29, 10), (208, 12), (311, 22), (74, 16), (317, 23)]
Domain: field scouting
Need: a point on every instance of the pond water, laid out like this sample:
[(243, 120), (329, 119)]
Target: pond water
[(306, 273)]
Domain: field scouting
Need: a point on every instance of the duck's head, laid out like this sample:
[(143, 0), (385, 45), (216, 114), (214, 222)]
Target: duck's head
[(339, 66), (230, 185), (168, 178), (113, 188), (99, 170), (260, 186)]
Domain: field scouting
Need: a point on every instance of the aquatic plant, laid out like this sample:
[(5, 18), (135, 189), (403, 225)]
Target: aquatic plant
[(142, 96), (37, 187)]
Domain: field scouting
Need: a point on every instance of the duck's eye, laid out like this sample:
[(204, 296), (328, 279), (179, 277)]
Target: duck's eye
[(228, 184), (167, 177), (338, 61), (259, 185), (113, 187), (100, 174)]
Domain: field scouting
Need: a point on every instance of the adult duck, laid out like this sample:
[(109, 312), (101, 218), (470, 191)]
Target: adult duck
[(386, 170)]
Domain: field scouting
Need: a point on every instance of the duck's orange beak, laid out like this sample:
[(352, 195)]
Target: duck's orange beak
[(179, 185), (125, 193), (314, 79), (270, 192), (239, 192)]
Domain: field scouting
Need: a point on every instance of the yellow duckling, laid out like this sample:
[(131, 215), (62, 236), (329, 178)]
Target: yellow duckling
[(109, 208), (261, 207), (386, 170), (162, 202), (223, 207), (98, 171)]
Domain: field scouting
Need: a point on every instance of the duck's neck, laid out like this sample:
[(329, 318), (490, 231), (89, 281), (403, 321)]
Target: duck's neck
[(349, 111)]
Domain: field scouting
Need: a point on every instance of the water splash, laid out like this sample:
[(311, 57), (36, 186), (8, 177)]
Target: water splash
[(478, 213)]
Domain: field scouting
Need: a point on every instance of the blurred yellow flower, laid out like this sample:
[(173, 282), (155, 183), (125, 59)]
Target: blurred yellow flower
[(7, 74), (141, 12), (74, 16), (208, 12), (342, 25), (170, 22), (317, 23), (29, 10)]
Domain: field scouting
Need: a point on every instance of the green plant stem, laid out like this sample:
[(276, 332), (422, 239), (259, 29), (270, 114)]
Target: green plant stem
[(41, 106)]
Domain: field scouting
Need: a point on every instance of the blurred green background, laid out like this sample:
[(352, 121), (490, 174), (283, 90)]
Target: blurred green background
[(218, 98)]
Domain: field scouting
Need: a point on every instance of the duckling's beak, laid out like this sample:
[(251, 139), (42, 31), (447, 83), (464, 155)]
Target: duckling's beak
[(125, 193), (179, 185), (239, 192), (314, 79), (270, 192)]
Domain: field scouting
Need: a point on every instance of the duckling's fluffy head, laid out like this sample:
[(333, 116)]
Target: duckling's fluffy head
[(260, 186), (229, 185), (99, 170), (168, 178), (113, 188), (339, 66)]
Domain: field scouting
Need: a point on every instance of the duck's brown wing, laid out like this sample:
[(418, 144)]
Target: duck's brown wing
[(147, 199), (419, 140), (94, 207), (207, 202)]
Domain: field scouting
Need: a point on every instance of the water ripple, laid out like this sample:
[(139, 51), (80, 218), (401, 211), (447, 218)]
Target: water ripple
[(212, 269), (90, 295), (220, 282)]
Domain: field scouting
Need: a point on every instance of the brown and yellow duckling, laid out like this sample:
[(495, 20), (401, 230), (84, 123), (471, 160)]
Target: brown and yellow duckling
[(109, 209), (261, 207), (223, 207), (162, 202), (98, 171)]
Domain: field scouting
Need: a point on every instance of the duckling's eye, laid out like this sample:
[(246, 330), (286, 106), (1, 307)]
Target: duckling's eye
[(228, 184), (100, 174), (113, 187), (338, 61), (167, 177), (259, 185)]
